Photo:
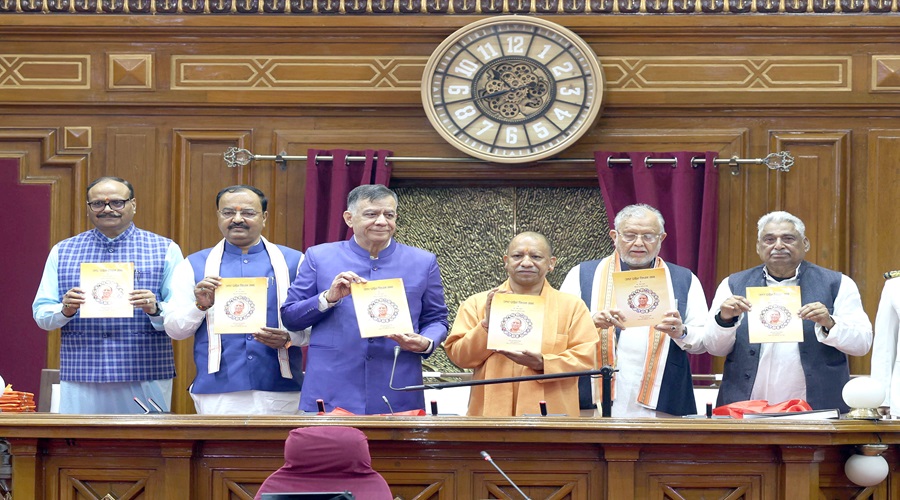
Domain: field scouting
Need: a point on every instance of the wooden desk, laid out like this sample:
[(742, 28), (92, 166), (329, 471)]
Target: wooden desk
[(215, 458)]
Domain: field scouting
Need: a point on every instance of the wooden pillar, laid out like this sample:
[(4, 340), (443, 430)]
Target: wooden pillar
[(176, 468), (620, 462), (27, 467), (800, 472)]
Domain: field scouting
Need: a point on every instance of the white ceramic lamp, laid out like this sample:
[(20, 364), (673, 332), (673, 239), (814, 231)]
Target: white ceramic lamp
[(863, 395), (867, 467)]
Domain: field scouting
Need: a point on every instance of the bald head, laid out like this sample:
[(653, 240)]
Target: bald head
[(527, 261), (537, 237)]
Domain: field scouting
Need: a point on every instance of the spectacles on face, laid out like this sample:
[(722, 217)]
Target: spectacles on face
[(649, 238), (786, 239), (230, 213), (99, 206)]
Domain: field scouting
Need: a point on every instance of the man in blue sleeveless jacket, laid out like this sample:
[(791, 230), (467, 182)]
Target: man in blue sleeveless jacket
[(654, 372), (257, 372), (834, 325), (105, 363)]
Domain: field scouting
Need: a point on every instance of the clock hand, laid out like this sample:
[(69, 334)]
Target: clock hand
[(504, 91)]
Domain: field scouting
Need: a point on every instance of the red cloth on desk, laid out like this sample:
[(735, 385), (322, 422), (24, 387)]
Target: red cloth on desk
[(327, 458), (739, 408), (340, 412)]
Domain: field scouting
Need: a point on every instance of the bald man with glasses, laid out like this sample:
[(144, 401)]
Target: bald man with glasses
[(654, 373), (105, 363)]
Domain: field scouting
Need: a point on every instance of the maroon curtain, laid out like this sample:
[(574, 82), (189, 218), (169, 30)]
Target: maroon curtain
[(686, 194), (24, 351), (328, 182)]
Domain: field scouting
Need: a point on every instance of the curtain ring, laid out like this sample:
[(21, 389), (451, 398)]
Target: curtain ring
[(693, 165), (608, 164), (648, 165)]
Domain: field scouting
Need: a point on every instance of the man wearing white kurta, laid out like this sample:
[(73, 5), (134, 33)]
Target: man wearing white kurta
[(834, 325), (253, 373), (650, 382), (885, 368)]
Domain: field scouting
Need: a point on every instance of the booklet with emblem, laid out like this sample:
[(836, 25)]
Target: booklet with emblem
[(381, 308), (241, 305), (516, 322), (107, 287), (643, 296), (773, 317)]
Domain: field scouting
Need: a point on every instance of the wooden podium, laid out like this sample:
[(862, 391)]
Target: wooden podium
[(170, 457)]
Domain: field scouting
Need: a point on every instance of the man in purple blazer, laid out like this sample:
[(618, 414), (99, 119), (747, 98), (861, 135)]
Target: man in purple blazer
[(343, 369)]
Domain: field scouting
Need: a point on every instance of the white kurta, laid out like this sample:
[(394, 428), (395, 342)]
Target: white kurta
[(885, 367), (631, 349), (780, 375)]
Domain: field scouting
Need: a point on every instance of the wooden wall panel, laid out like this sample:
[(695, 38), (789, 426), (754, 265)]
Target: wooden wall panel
[(816, 191)]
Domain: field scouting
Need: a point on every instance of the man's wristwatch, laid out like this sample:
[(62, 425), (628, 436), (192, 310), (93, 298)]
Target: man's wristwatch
[(287, 343), (683, 333)]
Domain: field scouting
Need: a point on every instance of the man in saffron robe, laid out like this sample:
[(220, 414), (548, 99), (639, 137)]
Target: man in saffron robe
[(654, 373), (568, 345)]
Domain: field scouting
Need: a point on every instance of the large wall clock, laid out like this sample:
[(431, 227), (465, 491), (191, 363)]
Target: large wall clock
[(512, 89)]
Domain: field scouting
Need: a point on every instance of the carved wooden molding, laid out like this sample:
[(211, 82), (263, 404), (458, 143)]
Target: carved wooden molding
[(39, 71), (477, 7)]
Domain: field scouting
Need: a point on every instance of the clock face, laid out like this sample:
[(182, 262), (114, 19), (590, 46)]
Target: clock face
[(512, 89)]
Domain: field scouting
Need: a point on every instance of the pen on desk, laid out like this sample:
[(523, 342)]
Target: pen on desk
[(142, 405), (154, 405)]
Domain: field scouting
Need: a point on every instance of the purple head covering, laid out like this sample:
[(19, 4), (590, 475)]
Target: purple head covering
[(327, 458)]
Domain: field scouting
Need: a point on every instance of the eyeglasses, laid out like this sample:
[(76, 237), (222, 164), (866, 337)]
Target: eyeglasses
[(786, 239), (230, 213), (647, 237), (99, 206)]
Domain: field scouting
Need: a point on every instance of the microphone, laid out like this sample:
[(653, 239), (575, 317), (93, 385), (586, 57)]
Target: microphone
[(543, 408), (510, 481), (142, 405), (393, 368), (388, 403), (320, 405), (154, 405), (434, 411)]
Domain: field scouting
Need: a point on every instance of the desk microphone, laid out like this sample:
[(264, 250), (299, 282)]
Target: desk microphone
[(510, 481), (142, 405), (388, 403), (393, 367)]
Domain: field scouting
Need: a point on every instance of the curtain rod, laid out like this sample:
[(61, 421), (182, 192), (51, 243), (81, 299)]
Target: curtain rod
[(781, 161)]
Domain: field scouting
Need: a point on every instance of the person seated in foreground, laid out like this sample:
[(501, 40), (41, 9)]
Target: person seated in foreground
[(324, 459)]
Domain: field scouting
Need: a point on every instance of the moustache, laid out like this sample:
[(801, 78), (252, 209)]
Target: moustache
[(240, 225), (105, 215)]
